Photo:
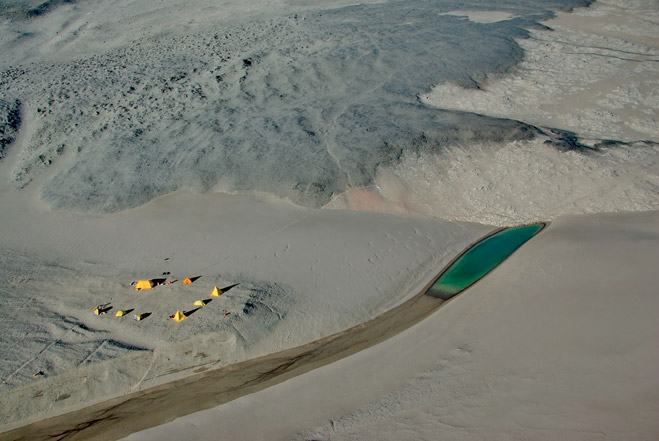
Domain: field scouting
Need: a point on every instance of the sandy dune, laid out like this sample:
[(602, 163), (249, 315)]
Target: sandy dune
[(123, 415), (205, 146), (557, 342), (593, 71), (292, 265)]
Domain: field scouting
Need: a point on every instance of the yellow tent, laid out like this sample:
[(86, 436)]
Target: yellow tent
[(179, 316), (187, 281), (216, 292), (99, 311), (144, 284), (121, 313), (138, 317), (200, 303)]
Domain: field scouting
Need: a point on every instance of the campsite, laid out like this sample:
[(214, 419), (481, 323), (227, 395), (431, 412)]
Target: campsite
[(150, 284), (190, 188), (262, 245)]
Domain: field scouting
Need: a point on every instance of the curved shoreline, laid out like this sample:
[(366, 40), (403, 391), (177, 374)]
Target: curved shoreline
[(476, 263), (121, 416)]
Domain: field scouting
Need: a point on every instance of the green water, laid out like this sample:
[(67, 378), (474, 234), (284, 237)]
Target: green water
[(480, 260)]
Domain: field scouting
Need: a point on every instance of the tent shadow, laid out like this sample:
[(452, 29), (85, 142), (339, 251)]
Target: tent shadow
[(192, 311), (194, 279), (128, 311), (157, 282), (225, 289), (145, 315), (104, 309)]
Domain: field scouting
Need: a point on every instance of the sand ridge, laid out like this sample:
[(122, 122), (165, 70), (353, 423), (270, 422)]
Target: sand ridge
[(283, 257), (346, 108), (541, 348), (121, 416), (592, 71), (301, 105)]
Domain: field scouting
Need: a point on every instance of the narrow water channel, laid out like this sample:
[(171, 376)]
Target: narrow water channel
[(480, 259)]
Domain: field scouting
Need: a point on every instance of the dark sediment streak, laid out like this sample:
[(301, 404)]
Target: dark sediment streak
[(121, 416)]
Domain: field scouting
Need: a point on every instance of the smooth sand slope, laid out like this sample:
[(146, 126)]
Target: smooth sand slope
[(303, 274), (123, 415), (557, 343), (101, 111), (120, 416)]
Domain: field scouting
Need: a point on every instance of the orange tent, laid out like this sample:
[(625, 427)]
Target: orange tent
[(187, 281)]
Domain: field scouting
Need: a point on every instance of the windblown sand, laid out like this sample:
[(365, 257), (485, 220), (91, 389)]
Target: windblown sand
[(556, 343), (592, 71), (291, 264)]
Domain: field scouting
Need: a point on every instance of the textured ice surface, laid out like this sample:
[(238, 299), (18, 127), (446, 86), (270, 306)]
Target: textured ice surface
[(300, 106)]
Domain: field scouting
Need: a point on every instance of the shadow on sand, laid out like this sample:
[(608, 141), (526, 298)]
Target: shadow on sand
[(192, 311), (140, 317), (103, 309), (227, 288)]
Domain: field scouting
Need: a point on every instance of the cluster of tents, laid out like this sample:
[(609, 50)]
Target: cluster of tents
[(103, 309), (141, 285), (180, 316)]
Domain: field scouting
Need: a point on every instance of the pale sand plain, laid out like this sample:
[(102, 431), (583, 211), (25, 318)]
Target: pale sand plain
[(591, 71), (308, 273), (594, 73), (291, 265), (557, 343)]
